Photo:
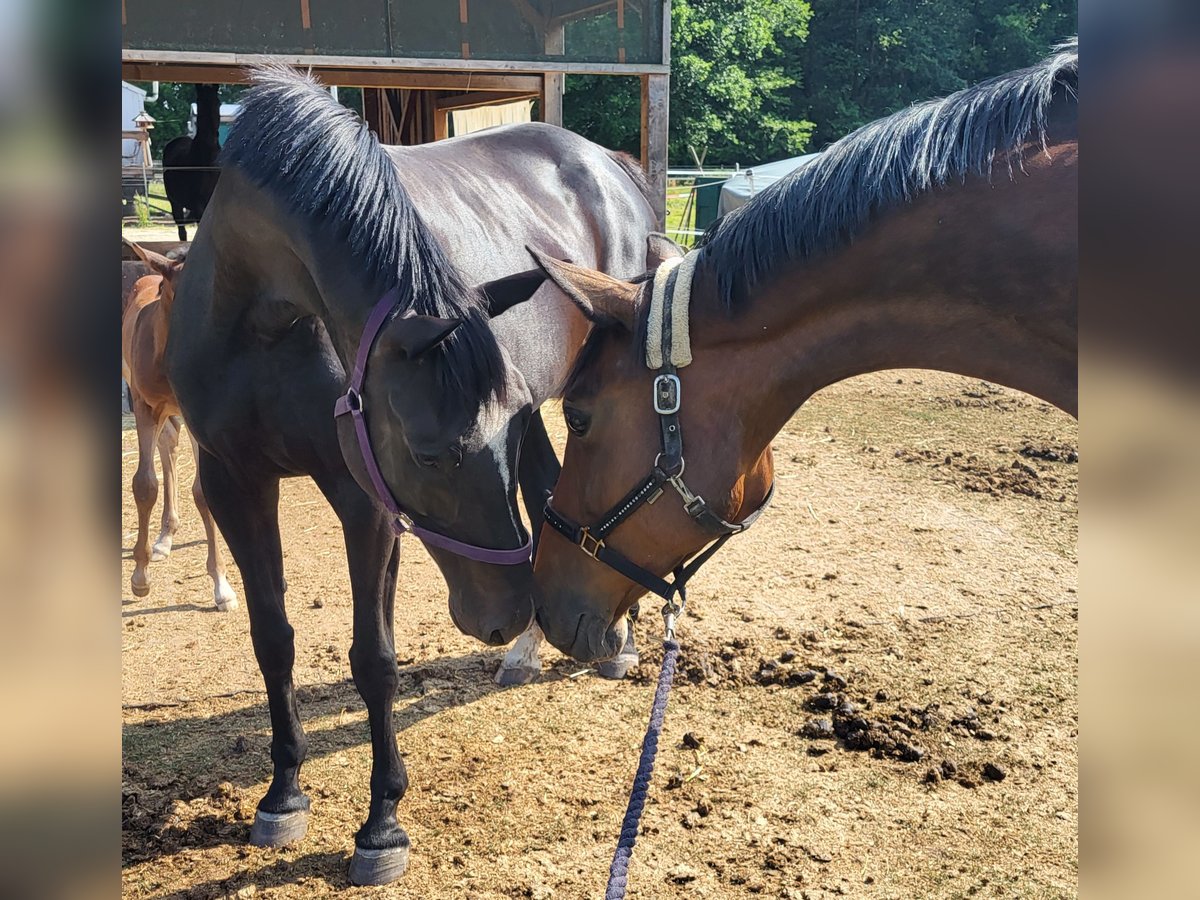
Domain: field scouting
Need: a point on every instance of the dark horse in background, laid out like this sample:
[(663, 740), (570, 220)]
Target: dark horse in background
[(943, 237), (311, 223), (190, 163)]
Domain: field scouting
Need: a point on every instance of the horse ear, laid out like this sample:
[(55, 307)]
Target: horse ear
[(410, 336), (505, 293), (604, 300), (156, 262), (660, 248)]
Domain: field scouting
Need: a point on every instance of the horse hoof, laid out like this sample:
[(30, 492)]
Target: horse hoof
[(378, 866), (510, 675), (140, 590), (278, 829), (224, 597), (159, 552), (618, 667)]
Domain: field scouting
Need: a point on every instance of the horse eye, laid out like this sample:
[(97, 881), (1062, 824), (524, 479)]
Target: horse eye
[(576, 421), (428, 460)]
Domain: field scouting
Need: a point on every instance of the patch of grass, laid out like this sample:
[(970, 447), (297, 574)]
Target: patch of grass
[(677, 200), (141, 209)]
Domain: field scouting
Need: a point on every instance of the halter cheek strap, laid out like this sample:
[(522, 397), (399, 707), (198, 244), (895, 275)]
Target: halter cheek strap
[(351, 403), (668, 348)]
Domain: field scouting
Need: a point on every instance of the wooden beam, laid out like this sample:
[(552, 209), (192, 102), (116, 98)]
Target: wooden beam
[(666, 36), (365, 78), (305, 15), (441, 124), (384, 63), (554, 83), (656, 98), (481, 98), (530, 15)]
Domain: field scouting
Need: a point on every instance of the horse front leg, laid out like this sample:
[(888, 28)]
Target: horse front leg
[(168, 454), (537, 472), (145, 494), (381, 846), (246, 509), (522, 664), (223, 595)]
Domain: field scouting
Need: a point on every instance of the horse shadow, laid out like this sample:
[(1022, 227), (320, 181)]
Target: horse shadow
[(169, 761), (296, 871)]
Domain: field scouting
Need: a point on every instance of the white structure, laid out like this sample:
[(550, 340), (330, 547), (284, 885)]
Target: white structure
[(741, 188), (133, 103)]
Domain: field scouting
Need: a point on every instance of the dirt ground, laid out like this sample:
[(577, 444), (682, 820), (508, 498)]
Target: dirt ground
[(878, 692)]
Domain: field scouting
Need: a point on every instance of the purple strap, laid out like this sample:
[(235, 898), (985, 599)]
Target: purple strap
[(352, 402)]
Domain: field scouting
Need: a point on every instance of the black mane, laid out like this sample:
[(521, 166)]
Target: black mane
[(825, 203), (323, 163)]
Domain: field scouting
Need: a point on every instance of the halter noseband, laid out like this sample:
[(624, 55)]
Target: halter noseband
[(667, 350), (352, 402)]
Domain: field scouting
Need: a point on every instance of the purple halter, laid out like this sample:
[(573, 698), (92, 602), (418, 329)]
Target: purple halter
[(352, 402)]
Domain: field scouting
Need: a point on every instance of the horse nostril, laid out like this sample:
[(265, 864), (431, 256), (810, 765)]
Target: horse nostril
[(496, 638)]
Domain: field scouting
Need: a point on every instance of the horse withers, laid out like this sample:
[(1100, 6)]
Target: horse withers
[(943, 237), (316, 236), (144, 326)]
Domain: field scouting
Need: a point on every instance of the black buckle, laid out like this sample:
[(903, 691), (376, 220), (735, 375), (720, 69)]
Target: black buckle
[(667, 395)]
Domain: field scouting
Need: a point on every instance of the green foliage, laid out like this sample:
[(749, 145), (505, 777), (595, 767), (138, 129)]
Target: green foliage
[(868, 58), (764, 79), (728, 81), (728, 76), (141, 210)]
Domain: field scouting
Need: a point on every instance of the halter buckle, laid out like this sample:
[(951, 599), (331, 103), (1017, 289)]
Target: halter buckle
[(593, 548), (667, 394)]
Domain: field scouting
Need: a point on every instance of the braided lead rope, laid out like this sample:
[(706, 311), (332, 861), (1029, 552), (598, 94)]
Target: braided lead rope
[(618, 873)]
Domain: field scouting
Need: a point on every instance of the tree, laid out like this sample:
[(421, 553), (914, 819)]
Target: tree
[(866, 58), (728, 79)]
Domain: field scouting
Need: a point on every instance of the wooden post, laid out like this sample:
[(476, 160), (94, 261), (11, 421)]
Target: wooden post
[(655, 118), (553, 83)]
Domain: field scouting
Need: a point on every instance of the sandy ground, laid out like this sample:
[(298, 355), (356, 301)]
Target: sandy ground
[(919, 564)]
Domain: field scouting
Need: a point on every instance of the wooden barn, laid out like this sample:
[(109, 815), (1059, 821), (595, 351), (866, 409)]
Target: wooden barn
[(418, 61)]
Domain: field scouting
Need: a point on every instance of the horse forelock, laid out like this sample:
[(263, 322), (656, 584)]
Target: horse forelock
[(322, 163), (886, 163)]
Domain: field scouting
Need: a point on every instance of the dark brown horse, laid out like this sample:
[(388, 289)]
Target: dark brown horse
[(943, 237), (312, 223), (190, 163)]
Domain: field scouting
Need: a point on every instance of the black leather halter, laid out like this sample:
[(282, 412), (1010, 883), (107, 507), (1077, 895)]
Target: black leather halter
[(667, 471)]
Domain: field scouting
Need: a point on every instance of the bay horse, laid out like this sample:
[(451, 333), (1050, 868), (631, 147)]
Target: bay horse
[(942, 237), (325, 258), (190, 163), (144, 327)]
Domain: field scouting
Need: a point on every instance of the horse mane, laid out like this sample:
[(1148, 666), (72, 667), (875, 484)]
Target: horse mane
[(326, 167), (827, 202)]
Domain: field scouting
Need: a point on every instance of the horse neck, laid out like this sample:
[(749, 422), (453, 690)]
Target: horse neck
[(274, 272), (978, 279), (208, 118)]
